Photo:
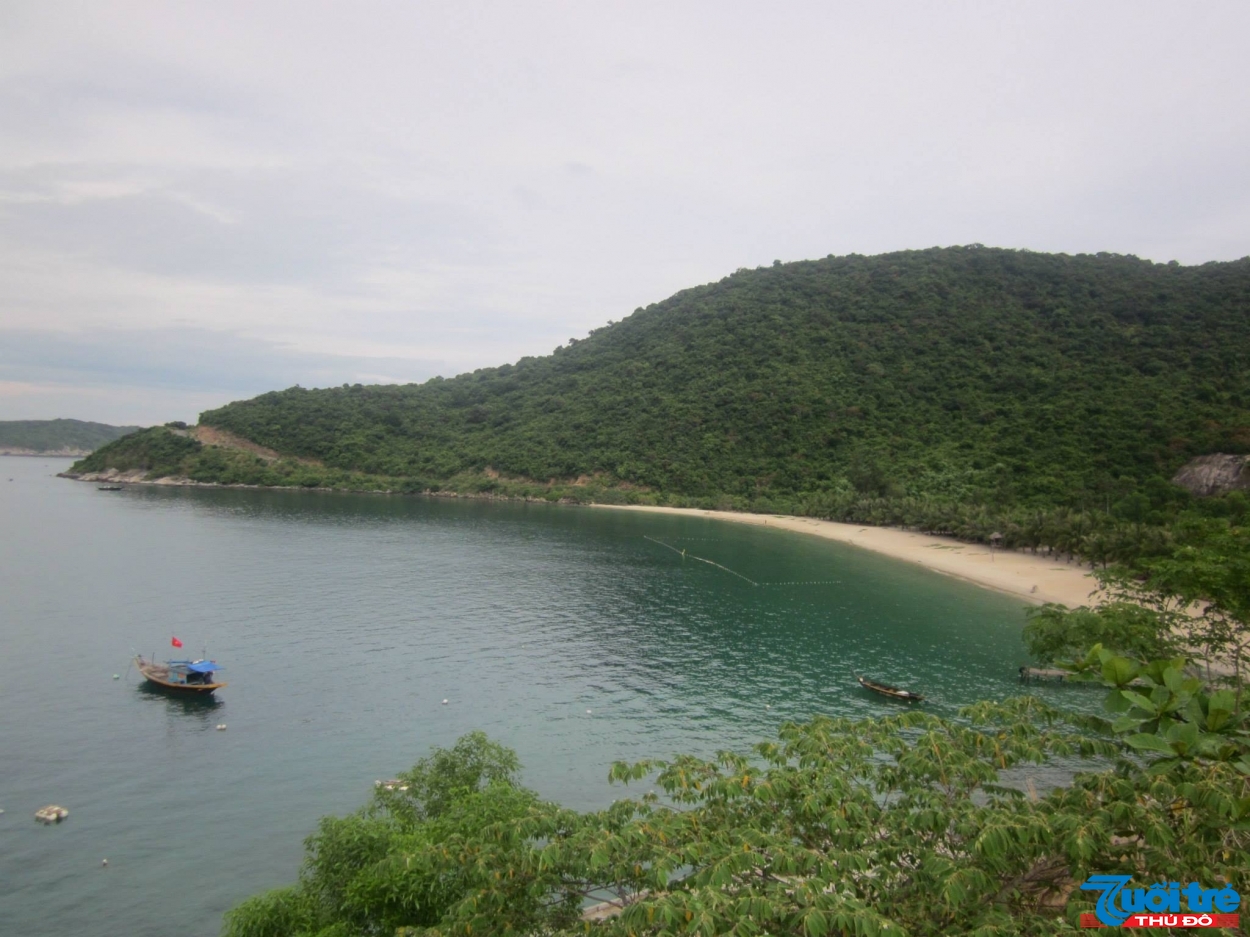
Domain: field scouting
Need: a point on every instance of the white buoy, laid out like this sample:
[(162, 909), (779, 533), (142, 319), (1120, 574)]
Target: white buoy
[(104, 863), (117, 676), (221, 727), (444, 702), (588, 712), (768, 705)]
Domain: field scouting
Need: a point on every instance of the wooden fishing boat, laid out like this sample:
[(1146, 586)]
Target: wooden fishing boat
[(196, 677), (891, 691)]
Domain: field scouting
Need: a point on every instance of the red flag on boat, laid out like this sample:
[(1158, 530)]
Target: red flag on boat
[(175, 642)]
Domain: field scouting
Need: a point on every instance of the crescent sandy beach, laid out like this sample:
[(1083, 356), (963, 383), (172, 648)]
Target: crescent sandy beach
[(1036, 579)]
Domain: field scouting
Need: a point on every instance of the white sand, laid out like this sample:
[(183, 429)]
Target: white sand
[(1033, 578)]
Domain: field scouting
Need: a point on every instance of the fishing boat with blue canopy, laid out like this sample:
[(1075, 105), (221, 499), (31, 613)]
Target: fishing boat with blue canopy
[(181, 676)]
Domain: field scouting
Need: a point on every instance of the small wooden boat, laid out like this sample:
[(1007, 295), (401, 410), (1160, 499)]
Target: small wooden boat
[(891, 691), (108, 487), (181, 676)]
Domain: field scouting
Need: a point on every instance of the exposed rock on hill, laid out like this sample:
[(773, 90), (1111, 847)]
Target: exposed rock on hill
[(1215, 474)]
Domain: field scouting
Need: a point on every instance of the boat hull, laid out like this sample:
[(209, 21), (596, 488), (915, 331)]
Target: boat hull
[(157, 676), (184, 689), (890, 692)]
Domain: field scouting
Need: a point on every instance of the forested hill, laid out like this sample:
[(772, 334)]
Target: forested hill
[(972, 374), (72, 437)]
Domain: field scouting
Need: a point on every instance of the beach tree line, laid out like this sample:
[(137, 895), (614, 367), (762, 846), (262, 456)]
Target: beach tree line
[(1139, 523), (1193, 602)]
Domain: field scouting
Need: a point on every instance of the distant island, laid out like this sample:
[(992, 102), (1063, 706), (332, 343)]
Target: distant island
[(57, 437)]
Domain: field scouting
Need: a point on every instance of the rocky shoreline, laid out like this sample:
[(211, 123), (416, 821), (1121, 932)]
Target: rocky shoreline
[(139, 477)]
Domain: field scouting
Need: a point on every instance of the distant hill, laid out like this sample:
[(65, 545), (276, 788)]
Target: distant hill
[(61, 437), (966, 375)]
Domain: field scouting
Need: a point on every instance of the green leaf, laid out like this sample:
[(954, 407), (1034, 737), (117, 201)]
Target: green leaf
[(1145, 704), (1120, 671), (1184, 737), (1144, 741), (1125, 723), (1176, 681)]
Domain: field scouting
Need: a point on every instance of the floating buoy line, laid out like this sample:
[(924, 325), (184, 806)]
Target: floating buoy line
[(701, 559), (806, 582), (686, 555)]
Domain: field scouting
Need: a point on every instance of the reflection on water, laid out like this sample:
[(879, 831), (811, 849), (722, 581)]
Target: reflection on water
[(346, 620), (197, 708)]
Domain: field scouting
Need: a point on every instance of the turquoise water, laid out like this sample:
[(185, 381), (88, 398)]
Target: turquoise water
[(345, 620)]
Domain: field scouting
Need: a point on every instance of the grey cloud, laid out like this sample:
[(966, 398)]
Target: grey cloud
[(264, 226), (188, 359), (132, 82)]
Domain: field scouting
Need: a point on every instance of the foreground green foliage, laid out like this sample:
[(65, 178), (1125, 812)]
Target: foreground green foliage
[(1056, 633), (905, 824), (1193, 601), (52, 435)]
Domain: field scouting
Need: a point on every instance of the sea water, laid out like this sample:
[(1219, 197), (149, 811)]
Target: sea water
[(577, 636)]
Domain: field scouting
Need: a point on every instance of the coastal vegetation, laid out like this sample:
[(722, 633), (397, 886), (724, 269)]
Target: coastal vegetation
[(72, 437), (1029, 400), (903, 824), (988, 376)]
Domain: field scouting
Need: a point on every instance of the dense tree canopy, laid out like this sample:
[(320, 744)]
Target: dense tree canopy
[(969, 391), (1010, 375)]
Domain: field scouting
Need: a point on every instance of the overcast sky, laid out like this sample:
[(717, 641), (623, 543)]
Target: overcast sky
[(201, 202)]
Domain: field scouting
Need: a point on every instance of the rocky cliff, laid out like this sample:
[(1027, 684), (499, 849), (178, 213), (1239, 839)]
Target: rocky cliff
[(1215, 474)]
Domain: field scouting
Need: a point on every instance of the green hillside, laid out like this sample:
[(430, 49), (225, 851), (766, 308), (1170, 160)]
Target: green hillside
[(58, 435), (996, 380)]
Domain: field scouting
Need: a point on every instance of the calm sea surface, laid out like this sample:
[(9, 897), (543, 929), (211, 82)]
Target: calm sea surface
[(345, 621)]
